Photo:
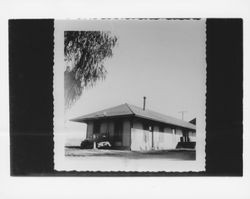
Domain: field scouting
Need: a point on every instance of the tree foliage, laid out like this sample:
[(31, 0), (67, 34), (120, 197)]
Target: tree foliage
[(85, 53)]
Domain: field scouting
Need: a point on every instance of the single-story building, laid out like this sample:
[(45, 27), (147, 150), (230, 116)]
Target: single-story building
[(138, 129)]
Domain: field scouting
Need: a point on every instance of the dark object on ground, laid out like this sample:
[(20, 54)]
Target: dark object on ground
[(87, 144), (186, 145), (102, 142)]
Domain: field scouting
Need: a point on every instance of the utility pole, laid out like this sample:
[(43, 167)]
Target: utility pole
[(182, 114)]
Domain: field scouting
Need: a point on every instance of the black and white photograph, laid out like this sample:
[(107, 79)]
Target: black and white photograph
[(128, 99), (129, 95)]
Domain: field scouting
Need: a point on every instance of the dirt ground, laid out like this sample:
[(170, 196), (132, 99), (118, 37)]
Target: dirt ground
[(119, 154)]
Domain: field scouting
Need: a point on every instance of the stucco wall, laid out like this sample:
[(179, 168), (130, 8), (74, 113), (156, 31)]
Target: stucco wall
[(141, 140), (126, 136), (163, 140), (192, 136)]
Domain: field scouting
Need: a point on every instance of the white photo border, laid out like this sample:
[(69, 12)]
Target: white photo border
[(63, 164)]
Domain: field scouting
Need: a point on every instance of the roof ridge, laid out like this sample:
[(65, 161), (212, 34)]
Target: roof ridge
[(128, 105), (97, 112), (161, 115)]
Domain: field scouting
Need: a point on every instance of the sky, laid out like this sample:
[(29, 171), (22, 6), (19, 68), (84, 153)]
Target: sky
[(163, 60)]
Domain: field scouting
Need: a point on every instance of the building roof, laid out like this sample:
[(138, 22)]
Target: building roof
[(131, 110)]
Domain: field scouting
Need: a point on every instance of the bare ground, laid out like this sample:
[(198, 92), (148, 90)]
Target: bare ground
[(179, 154)]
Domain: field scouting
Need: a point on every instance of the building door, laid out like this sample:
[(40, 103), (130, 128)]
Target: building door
[(96, 129)]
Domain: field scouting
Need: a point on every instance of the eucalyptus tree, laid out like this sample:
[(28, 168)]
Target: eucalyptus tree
[(85, 53)]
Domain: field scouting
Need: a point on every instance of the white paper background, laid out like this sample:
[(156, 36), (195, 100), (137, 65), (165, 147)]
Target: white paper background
[(153, 187)]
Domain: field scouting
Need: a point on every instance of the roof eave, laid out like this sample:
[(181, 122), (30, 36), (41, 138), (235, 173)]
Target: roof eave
[(84, 120), (139, 116)]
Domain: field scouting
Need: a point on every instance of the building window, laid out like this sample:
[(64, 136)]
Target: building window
[(147, 127), (161, 128)]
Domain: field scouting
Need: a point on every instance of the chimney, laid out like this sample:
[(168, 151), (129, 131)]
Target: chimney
[(144, 103)]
